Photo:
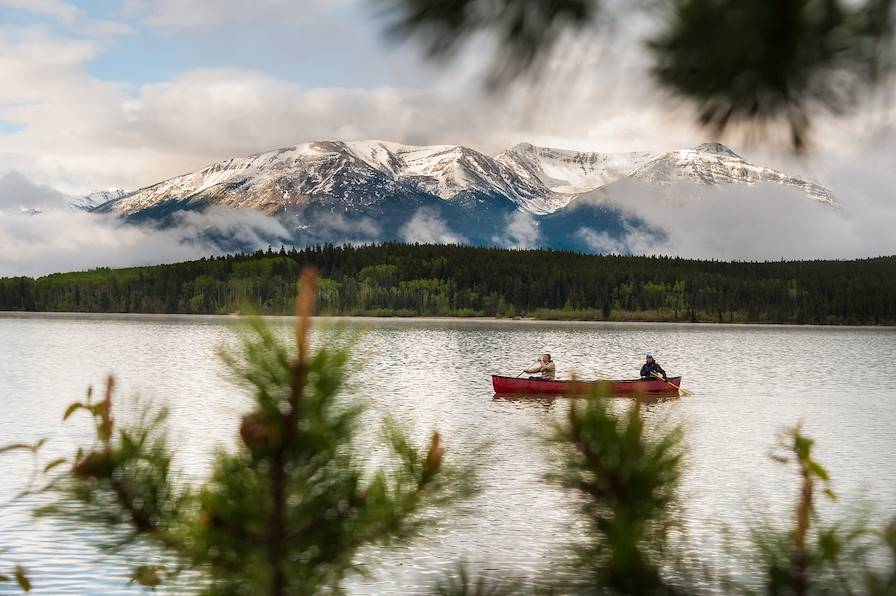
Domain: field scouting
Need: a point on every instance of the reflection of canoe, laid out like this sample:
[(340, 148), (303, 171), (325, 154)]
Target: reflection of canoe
[(634, 386)]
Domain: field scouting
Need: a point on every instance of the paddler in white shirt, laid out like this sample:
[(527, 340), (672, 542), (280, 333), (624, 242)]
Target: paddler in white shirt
[(543, 365)]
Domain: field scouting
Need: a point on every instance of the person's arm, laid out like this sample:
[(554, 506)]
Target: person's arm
[(644, 371), (660, 370), (535, 369)]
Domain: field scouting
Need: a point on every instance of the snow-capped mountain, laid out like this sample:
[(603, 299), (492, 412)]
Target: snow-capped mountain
[(95, 199), (334, 191), (363, 173), (713, 164), (570, 172), (574, 173), (536, 180)]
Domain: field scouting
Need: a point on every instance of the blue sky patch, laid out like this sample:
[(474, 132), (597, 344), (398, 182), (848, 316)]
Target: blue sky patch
[(7, 127)]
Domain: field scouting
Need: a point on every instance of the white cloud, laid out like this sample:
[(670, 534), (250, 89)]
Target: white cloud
[(18, 193), (56, 8), (59, 239), (195, 14), (520, 231), (601, 242), (69, 15), (244, 228), (82, 133), (766, 222), (338, 228), (425, 227)]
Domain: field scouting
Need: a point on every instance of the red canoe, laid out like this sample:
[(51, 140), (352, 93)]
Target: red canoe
[(505, 385)]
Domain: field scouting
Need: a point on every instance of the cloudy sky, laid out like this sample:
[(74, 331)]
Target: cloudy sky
[(123, 93), (105, 93)]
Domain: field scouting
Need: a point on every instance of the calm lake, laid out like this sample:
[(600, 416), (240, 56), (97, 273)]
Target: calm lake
[(749, 382)]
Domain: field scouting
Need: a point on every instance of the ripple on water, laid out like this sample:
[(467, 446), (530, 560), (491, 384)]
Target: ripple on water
[(748, 381)]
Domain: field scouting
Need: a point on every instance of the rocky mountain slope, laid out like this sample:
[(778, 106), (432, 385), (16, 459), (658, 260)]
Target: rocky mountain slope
[(376, 190), (713, 164), (95, 199)]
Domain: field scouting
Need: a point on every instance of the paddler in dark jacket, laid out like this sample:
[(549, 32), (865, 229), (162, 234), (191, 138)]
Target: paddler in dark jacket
[(652, 367)]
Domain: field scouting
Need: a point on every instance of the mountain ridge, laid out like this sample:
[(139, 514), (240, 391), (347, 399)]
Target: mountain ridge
[(367, 191), (539, 180)]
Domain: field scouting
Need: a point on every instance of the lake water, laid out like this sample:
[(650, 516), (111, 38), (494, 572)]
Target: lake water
[(749, 382)]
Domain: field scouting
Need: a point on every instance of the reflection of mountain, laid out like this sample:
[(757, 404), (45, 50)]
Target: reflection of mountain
[(373, 190)]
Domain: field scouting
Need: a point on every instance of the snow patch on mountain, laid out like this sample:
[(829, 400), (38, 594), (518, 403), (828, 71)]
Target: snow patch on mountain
[(95, 199), (714, 165), (446, 171), (570, 172)]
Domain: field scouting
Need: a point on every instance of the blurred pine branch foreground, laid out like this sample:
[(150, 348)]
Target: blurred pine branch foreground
[(767, 66), (288, 510)]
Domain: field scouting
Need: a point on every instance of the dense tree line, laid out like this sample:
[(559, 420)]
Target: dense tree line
[(421, 280)]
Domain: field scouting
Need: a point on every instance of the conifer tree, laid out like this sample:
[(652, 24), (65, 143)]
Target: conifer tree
[(627, 480), (290, 508)]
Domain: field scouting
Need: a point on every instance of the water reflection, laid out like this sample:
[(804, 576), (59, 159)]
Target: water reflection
[(526, 398), (549, 400)]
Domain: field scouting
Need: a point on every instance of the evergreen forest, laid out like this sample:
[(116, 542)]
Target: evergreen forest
[(462, 281)]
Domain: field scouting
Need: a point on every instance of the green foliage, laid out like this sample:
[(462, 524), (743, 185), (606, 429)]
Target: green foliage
[(422, 280), (813, 557), (462, 583), (288, 510), (125, 479), (628, 483), (19, 576)]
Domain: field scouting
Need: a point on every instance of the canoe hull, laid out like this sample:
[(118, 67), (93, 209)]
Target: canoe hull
[(505, 385)]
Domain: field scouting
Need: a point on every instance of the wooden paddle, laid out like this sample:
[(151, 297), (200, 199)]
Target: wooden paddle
[(683, 391), (521, 374)]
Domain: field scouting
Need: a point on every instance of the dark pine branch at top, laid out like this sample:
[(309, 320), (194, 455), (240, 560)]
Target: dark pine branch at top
[(446, 280)]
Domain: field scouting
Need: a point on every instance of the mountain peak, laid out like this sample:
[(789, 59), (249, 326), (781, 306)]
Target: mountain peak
[(95, 198), (716, 148), (368, 174)]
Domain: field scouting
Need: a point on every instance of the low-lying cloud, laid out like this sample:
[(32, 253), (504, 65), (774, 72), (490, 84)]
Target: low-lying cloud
[(325, 227), (64, 240), (520, 231), (764, 222), (426, 227), (17, 193)]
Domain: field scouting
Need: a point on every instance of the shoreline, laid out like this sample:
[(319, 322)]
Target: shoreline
[(236, 317)]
